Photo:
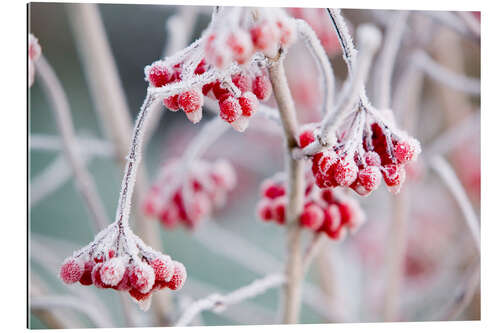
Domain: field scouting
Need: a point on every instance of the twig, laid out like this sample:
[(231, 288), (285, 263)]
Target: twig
[(295, 191), (387, 58), (443, 75), (87, 146), (315, 246), (445, 171), (451, 21), (218, 303), (62, 113)]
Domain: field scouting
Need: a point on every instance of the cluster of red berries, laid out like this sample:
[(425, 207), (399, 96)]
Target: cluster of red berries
[(325, 210), (238, 100), (319, 21), (123, 273), (239, 44), (193, 199), (382, 156)]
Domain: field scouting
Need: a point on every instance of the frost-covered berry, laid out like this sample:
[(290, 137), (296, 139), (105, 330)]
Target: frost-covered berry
[(392, 174), (96, 276), (346, 171), (271, 190), (248, 103), (279, 210), (158, 74), (332, 222), (142, 277), (241, 46), (262, 87), (163, 268), (372, 158), (312, 217), (230, 109), (172, 103), (71, 270), (265, 210), (407, 151), (138, 295), (86, 279), (112, 271), (124, 283), (306, 138), (243, 82), (179, 277), (264, 37), (191, 100), (370, 178)]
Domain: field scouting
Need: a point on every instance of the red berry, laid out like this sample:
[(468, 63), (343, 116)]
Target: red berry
[(172, 103), (306, 138), (370, 178), (241, 46), (243, 82), (392, 174), (158, 75), (265, 210), (139, 296), (328, 196), (191, 101), (163, 268), (96, 276), (332, 222), (406, 151), (71, 270), (264, 35), (372, 158), (261, 87), (201, 68), (279, 209), (345, 171), (315, 163), (230, 109), (248, 103), (124, 284), (312, 217), (179, 277), (271, 190), (111, 272), (219, 91), (141, 277), (169, 216), (86, 278), (207, 87)]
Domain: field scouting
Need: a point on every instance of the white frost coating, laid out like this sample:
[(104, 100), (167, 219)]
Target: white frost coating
[(112, 271)]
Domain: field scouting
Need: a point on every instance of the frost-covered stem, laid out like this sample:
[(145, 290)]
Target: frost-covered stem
[(451, 21), (88, 146), (61, 109), (387, 58), (369, 40), (445, 171), (445, 76), (48, 303), (295, 190), (317, 50), (218, 303), (348, 49), (111, 104), (133, 161), (395, 256)]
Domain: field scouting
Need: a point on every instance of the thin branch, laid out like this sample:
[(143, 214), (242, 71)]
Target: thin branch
[(295, 192), (62, 113), (445, 76), (445, 171), (87, 145), (218, 303), (451, 21), (387, 58), (317, 243)]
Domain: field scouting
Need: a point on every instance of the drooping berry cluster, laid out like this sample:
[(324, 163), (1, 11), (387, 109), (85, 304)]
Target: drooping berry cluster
[(380, 154), (238, 98), (119, 260), (325, 210), (176, 199), (34, 52)]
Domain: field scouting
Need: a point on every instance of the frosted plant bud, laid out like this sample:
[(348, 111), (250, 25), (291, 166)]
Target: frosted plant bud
[(179, 277), (142, 277), (163, 268), (71, 270)]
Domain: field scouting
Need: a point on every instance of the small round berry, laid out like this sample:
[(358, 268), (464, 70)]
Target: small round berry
[(243, 82), (71, 270), (96, 276), (219, 91), (124, 283), (332, 222), (312, 217), (271, 190), (112, 271), (201, 68), (265, 210), (372, 158), (179, 277), (328, 196), (279, 210), (264, 36), (169, 216), (370, 178), (141, 277), (262, 87), (138, 295), (163, 268), (248, 103), (315, 162), (86, 279), (406, 151), (191, 100), (230, 109), (172, 103), (346, 172), (392, 174), (306, 138), (241, 46), (158, 74)]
